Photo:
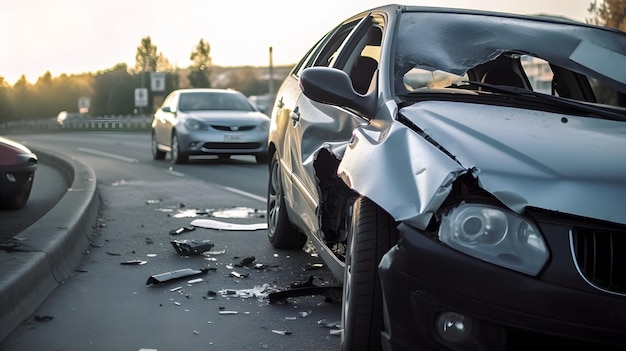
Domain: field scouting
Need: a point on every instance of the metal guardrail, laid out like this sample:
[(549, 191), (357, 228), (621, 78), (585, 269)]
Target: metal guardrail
[(130, 122)]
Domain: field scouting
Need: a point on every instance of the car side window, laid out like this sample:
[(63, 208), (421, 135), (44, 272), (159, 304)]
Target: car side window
[(326, 49)]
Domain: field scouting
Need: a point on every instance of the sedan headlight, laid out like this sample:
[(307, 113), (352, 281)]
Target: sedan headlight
[(194, 124), (495, 235)]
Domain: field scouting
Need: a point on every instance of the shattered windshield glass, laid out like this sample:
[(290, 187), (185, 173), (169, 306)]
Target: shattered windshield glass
[(440, 50)]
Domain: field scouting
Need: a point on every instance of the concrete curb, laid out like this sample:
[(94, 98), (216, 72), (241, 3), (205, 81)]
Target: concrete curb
[(51, 248)]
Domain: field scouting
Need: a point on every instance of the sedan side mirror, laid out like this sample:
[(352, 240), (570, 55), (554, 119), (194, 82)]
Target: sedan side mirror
[(166, 109), (334, 87)]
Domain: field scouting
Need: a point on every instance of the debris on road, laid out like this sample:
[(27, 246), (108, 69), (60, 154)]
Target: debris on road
[(174, 275), (191, 247), (281, 332), (219, 225), (134, 262), (331, 293), (182, 230)]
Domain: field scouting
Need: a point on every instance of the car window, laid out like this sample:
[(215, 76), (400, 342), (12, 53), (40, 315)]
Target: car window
[(485, 52), (201, 101)]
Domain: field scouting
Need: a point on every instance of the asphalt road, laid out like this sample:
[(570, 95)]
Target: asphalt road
[(108, 305)]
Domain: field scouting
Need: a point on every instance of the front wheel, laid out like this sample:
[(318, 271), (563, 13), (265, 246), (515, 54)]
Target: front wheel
[(280, 232), (156, 153), (372, 233), (178, 156)]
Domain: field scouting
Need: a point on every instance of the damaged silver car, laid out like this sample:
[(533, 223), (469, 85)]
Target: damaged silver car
[(464, 174)]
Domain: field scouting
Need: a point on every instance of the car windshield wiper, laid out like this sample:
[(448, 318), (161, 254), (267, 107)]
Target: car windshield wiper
[(553, 100)]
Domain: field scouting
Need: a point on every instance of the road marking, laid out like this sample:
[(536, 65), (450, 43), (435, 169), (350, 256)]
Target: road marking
[(106, 154), (241, 192)]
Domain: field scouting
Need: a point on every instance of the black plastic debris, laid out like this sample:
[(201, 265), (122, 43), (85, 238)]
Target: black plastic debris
[(314, 266), (182, 230), (134, 262), (39, 318), (191, 247), (174, 275), (331, 293), (247, 261)]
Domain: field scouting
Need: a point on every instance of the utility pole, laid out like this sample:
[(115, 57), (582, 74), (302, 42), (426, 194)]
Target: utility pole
[(271, 78)]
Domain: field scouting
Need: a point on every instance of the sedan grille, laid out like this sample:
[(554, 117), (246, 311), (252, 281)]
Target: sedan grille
[(600, 255), (238, 146), (233, 128)]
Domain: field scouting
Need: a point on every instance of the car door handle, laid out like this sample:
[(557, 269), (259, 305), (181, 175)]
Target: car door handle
[(295, 115)]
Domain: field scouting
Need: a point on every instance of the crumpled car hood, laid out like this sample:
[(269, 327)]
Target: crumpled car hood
[(557, 162)]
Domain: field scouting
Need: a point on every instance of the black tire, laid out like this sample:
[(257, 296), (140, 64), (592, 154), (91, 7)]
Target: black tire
[(261, 158), (280, 231), (372, 233), (178, 156), (18, 201), (156, 153)]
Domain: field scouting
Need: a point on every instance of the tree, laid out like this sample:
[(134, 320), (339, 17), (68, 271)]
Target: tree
[(6, 101), (146, 56), (200, 69), (608, 13)]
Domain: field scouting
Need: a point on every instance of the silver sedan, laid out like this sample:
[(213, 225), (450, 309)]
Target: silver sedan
[(220, 122)]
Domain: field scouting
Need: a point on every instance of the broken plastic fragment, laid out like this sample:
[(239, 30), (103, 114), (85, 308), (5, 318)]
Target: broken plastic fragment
[(248, 261), (134, 262), (281, 332), (193, 281), (39, 318), (191, 247), (227, 312), (239, 275), (332, 293), (181, 230), (259, 291), (213, 224), (173, 275)]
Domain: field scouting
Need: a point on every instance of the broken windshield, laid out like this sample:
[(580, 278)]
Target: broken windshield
[(439, 50)]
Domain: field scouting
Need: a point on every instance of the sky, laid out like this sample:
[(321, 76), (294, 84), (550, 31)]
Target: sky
[(80, 36)]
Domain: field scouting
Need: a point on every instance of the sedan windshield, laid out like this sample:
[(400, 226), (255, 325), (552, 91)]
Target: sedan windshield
[(208, 101), (555, 56)]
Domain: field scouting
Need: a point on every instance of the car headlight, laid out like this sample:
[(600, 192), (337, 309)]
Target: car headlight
[(495, 235), (194, 124), (265, 125)]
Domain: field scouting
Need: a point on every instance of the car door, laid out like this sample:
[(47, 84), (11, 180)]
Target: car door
[(165, 118), (315, 126)]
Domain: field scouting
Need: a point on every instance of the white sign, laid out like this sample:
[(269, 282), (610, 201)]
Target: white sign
[(157, 81), (84, 102), (141, 97)]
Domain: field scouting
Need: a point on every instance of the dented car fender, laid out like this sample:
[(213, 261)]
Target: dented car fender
[(375, 156)]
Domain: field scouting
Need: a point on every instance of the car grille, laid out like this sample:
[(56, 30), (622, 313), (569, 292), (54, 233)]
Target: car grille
[(233, 128), (238, 146), (600, 257)]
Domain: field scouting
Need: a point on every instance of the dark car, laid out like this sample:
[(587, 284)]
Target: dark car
[(17, 172), (220, 122), (464, 174)]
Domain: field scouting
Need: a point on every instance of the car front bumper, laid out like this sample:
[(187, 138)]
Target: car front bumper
[(422, 278), (232, 143), (16, 180)]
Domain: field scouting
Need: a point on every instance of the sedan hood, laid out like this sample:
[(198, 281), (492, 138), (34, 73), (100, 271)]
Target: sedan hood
[(525, 158)]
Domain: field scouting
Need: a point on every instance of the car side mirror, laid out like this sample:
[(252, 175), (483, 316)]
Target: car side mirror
[(334, 87), (166, 109)]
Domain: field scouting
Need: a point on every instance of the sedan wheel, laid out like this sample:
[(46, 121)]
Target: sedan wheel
[(280, 232), (156, 153), (178, 156), (372, 234), (18, 201)]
